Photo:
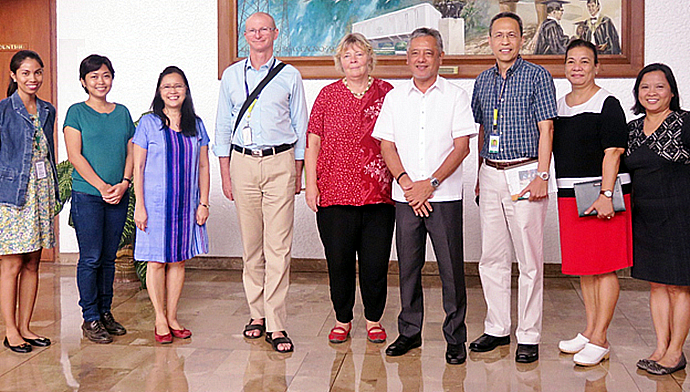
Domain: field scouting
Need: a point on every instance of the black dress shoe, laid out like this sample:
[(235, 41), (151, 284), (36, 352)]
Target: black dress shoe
[(22, 348), (38, 342), (527, 353), (456, 354), (403, 344), (487, 343), (95, 332), (112, 326)]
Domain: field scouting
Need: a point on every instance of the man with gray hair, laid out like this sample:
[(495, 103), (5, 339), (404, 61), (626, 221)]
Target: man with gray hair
[(425, 127)]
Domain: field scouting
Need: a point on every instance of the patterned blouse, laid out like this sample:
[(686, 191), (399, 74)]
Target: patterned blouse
[(350, 169), (669, 141)]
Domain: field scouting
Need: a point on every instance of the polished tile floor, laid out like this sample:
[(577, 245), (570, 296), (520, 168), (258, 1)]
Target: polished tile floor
[(217, 358)]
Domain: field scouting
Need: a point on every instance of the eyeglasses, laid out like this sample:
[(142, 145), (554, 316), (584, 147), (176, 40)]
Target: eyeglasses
[(168, 87), (261, 31)]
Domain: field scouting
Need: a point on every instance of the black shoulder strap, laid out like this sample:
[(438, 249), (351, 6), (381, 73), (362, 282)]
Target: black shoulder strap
[(256, 93)]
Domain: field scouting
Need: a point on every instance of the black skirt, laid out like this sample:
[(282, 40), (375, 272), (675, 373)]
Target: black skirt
[(661, 218)]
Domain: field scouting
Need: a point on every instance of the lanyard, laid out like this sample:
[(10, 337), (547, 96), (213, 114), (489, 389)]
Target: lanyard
[(499, 99), (246, 86)]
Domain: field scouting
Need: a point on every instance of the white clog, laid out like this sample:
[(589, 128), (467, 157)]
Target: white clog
[(591, 355), (574, 345)]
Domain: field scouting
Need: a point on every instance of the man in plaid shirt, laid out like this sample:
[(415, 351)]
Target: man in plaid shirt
[(514, 103)]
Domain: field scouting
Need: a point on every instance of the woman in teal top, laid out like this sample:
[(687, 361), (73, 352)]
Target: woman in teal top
[(98, 137)]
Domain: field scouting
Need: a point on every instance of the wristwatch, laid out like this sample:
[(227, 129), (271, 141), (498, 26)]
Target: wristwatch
[(607, 193), (544, 175), (435, 182)]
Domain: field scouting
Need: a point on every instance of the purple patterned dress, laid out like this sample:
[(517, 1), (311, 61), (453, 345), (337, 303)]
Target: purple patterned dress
[(171, 193)]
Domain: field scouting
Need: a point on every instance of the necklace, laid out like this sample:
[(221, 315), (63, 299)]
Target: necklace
[(359, 95)]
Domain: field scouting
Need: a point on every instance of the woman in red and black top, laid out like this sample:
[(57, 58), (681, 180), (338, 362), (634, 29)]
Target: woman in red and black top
[(349, 187)]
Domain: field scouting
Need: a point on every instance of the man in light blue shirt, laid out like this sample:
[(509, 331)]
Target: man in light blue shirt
[(265, 172)]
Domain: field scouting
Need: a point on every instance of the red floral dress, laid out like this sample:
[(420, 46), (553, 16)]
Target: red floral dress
[(350, 169)]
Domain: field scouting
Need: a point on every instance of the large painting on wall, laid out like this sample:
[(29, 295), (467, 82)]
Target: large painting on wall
[(311, 29)]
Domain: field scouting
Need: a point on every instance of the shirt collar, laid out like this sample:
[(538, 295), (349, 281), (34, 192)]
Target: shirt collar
[(513, 68), (248, 64), (552, 18), (438, 84)]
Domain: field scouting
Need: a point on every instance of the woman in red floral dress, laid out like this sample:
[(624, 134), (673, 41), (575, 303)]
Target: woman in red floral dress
[(349, 187)]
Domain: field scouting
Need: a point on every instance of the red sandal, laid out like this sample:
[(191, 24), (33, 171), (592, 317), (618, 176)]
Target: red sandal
[(376, 334), (339, 334)]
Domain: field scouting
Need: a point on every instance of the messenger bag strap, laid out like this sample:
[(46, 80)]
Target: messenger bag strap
[(255, 94)]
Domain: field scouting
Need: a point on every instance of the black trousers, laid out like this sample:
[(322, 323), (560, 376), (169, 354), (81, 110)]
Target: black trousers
[(444, 226), (351, 232)]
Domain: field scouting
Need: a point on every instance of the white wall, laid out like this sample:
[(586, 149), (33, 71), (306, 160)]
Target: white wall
[(143, 37)]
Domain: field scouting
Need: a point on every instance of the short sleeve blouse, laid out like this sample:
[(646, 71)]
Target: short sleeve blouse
[(350, 169)]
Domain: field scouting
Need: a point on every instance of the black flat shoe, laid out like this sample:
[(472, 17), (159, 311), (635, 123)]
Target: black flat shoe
[(486, 343), (38, 342), (403, 344), (527, 353), (456, 354), (22, 348), (659, 370)]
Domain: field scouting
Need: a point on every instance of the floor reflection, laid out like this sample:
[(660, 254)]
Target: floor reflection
[(218, 358), (167, 373)]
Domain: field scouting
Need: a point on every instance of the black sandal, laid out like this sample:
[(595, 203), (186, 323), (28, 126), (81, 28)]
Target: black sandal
[(281, 340), (254, 327)]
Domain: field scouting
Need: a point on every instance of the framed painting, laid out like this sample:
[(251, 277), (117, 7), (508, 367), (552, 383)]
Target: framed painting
[(311, 29)]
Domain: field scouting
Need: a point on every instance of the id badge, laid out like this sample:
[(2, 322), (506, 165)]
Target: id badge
[(494, 143), (247, 135), (41, 170)]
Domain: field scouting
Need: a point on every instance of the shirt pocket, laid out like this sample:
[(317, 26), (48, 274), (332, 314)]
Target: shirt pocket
[(8, 174)]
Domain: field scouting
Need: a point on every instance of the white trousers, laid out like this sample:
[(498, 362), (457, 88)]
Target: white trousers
[(511, 227)]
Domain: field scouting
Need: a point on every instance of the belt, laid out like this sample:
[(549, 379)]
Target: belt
[(265, 152), (501, 165)]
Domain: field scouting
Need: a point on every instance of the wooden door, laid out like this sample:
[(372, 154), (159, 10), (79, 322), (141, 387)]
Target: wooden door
[(30, 24)]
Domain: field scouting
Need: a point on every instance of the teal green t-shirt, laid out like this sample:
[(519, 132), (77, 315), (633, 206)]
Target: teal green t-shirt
[(104, 138)]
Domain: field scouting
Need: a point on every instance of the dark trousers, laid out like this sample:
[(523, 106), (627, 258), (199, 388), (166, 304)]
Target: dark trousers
[(444, 226), (348, 233), (99, 228)]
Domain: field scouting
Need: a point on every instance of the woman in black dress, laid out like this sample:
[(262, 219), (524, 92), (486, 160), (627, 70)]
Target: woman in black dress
[(658, 158)]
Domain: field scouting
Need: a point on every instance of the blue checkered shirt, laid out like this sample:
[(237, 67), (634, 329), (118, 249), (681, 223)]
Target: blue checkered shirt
[(529, 96)]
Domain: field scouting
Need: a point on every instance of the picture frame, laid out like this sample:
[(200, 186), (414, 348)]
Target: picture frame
[(624, 65)]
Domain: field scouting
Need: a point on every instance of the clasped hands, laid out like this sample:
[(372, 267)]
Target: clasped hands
[(112, 194), (417, 194)]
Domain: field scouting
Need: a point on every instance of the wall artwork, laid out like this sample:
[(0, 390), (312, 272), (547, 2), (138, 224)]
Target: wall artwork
[(311, 29)]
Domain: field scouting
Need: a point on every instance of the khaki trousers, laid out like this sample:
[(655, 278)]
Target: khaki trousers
[(264, 192), (511, 227)]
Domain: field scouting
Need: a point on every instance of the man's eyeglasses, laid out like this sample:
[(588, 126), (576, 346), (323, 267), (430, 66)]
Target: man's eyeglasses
[(261, 31)]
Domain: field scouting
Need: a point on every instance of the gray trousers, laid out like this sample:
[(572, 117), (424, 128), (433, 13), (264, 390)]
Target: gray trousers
[(444, 226)]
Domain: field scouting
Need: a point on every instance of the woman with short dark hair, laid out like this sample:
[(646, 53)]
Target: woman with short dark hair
[(658, 157), (28, 192), (590, 135), (97, 137)]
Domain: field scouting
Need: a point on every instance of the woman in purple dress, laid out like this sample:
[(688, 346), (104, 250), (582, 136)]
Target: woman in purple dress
[(171, 181)]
